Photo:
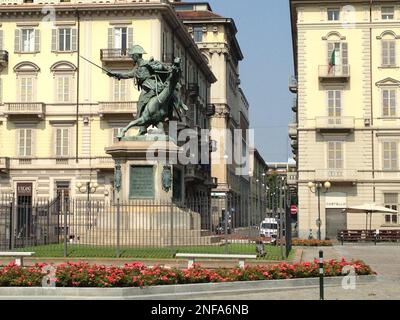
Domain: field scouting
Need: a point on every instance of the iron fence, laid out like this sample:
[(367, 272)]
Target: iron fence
[(145, 226)]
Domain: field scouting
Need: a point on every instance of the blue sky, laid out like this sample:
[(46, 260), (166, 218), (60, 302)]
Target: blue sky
[(265, 38)]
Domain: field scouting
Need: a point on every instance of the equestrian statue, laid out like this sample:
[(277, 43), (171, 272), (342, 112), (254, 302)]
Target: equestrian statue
[(160, 91)]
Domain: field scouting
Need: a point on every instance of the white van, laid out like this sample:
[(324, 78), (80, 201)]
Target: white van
[(269, 228)]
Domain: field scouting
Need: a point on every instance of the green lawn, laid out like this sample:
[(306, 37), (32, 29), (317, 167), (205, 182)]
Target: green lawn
[(81, 251)]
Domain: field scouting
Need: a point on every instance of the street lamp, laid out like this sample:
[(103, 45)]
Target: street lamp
[(88, 188), (317, 187)]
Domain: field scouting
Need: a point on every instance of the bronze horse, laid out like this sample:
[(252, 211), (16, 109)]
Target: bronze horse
[(160, 107)]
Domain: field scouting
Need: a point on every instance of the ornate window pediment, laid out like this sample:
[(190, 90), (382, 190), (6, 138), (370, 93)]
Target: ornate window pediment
[(63, 66), (388, 34), (333, 35), (26, 66), (390, 82)]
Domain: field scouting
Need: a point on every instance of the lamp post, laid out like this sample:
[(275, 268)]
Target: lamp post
[(89, 188), (317, 187)]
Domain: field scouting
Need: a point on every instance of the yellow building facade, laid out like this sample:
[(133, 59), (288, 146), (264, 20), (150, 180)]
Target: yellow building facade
[(347, 122), (58, 112), (215, 36)]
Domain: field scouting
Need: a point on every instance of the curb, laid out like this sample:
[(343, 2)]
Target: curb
[(170, 292)]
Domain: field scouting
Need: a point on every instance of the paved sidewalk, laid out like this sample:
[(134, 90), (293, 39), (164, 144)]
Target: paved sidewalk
[(384, 259), (382, 290)]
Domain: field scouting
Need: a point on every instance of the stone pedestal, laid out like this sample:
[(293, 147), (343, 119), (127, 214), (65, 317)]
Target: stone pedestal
[(147, 169), (148, 214)]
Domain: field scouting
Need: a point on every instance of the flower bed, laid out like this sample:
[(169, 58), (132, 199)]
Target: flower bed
[(312, 243), (138, 275)]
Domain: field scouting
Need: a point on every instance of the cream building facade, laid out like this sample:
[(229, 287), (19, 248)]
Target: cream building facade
[(58, 113), (347, 132), (215, 36)]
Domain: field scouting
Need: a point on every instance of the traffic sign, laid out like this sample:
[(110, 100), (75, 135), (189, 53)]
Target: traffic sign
[(293, 209)]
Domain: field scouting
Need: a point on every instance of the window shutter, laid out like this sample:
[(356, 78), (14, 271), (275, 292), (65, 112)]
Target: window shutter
[(394, 156), (1, 39), (385, 102), (66, 142), (385, 54), (28, 142), (392, 53), (58, 142), (17, 41), (37, 40), (54, 46), (74, 39), (345, 57), (331, 46), (392, 102), (110, 38), (71, 88), (130, 38), (20, 143)]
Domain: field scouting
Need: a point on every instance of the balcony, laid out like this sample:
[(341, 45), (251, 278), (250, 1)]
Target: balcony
[(193, 90), (295, 105), (4, 164), (115, 55), (3, 58), (336, 175), (293, 86), (210, 111), (293, 131), (334, 124), (24, 109), (334, 74), (115, 108), (194, 174), (211, 182), (291, 178)]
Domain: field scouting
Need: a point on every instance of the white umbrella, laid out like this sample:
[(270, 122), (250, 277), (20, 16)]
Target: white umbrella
[(369, 208)]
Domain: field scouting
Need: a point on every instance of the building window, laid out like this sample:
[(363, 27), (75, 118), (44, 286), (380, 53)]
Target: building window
[(26, 89), (120, 38), (340, 55), (387, 13), (391, 202), (334, 106), (115, 133), (25, 142), (64, 84), (62, 142), (388, 53), (27, 40), (198, 34), (390, 155), (333, 14), (119, 90), (64, 40), (389, 102), (335, 155)]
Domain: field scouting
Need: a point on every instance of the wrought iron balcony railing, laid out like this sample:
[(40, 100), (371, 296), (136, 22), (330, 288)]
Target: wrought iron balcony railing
[(337, 73)]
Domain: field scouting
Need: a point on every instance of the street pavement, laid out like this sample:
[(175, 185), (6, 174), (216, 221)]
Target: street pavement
[(384, 259)]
